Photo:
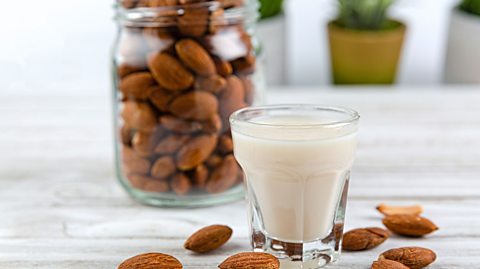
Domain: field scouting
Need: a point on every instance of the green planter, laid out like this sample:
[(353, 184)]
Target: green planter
[(364, 56)]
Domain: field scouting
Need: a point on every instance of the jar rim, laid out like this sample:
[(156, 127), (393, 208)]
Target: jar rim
[(165, 16)]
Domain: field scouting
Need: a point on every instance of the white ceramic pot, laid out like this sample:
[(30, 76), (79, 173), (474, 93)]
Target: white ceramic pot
[(462, 63), (271, 33)]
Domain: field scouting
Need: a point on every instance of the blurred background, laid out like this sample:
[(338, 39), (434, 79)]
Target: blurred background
[(64, 46)]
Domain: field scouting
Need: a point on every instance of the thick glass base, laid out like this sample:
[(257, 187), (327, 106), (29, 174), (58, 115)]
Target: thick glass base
[(305, 255)]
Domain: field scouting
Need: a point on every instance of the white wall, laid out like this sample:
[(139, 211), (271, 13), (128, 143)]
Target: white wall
[(56, 45), (422, 61)]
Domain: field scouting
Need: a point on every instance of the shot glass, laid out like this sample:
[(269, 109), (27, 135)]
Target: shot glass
[(297, 161)]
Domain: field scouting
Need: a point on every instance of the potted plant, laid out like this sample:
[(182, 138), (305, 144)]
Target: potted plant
[(462, 63), (271, 31), (365, 44)]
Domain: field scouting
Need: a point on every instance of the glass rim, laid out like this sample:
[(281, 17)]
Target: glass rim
[(165, 16), (353, 116)]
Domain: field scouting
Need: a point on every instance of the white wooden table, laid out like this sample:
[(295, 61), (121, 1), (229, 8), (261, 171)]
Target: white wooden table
[(61, 207)]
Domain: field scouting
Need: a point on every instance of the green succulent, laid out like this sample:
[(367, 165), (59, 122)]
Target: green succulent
[(364, 14), (471, 6), (270, 8)]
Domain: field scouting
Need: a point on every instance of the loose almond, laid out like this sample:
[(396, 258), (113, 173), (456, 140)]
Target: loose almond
[(388, 264), (151, 261), (364, 238), (250, 260), (194, 56), (412, 257), (169, 72), (208, 238), (394, 210), (409, 225)]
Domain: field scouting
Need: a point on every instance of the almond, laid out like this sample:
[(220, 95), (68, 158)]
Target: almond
[(163, 167), (155, 185), (169, 72), (244, 65), (194, 21), (409, 225), (196, 105), (125, 69), (196, 151), (137, 181), (412, 257), (214, 84), (224, 176), (200, 176), (180, 184), (143, 144), (162, 3), (208, 238), (126, 135), (225, 144), (232, 3), (137, 85), (194, 56), (212, 125), (151, 261), (160, 98), (177, 125), (364, 238), (134, 164), (171, 144), (148, 184), (388, 264), (232, 98), (250, 260), (224, 68), (394, 210), (139, 116), (214, 160)]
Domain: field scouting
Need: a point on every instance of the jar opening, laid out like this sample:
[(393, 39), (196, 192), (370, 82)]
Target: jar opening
[(137, 13)]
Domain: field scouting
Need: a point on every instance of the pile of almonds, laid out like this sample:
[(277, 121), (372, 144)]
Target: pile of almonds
[(178, 83), (404, 221)]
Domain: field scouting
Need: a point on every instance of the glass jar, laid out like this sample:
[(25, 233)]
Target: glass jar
[(180, 68)]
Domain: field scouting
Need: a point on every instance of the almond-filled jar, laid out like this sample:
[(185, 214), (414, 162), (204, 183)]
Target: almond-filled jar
[(180, 68)]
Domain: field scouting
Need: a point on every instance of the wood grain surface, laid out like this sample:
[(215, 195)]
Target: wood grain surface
[(61, 207)]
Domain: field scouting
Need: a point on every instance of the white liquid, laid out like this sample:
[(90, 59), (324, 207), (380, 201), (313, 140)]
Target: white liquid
[(296, 176)]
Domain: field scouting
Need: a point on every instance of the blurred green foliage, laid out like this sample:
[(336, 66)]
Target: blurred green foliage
[(471, 6), (270, 8), (364, 14)]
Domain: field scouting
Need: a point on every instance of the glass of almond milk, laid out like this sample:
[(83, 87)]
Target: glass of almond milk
[(297, 161)]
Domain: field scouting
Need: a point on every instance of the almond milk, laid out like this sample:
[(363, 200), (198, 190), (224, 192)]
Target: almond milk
[(295, 174)]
